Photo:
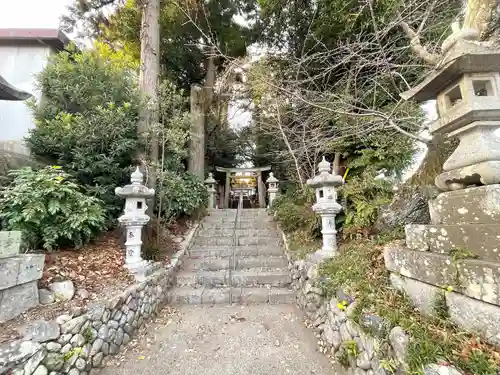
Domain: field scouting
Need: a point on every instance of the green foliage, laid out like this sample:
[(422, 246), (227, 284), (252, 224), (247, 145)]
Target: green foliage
[(86, 122), (50, 209), (173, 132), (294, 213), (362, 195), (181, 195), (184, 26)]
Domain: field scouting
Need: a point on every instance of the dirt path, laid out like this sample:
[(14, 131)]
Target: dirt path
[(223, 340)]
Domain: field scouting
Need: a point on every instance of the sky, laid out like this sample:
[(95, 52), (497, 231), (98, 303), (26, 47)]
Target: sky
[(32, 13)]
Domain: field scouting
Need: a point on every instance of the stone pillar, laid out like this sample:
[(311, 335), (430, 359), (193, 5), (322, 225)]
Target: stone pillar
[(327, 207), (272, 190), (134, 218), (227, 191), (210, 183), (262, 192)]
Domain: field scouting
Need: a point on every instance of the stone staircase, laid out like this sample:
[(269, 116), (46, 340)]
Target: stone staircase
[(236, 257)]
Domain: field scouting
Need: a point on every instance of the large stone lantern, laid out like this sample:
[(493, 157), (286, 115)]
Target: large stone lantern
[(210, 184), (272, 189), (326, 205), (133, 219)]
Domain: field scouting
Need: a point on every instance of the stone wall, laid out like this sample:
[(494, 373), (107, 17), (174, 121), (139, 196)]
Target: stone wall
[(19, 276), (77, 344), (372, 347)]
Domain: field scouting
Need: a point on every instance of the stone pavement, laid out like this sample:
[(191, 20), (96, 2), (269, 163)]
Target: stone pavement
[(228, 340)]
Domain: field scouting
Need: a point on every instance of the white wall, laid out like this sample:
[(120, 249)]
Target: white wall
[(18, 65)]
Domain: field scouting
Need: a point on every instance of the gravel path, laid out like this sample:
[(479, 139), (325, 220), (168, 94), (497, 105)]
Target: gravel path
[(224, 340)]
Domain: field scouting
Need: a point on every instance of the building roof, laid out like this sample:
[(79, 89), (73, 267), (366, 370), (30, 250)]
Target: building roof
[(52, 37), (9, 92)]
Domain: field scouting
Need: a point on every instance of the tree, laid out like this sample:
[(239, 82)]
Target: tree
[(183, 45), (149, 75)]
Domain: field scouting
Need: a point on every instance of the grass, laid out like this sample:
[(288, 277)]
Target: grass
[(360, 270), (301, 245)]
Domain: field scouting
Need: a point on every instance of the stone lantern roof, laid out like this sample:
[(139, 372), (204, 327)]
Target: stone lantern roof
[(136, 189), (210, 179), (464, 56), (271, 179), (325, 178)]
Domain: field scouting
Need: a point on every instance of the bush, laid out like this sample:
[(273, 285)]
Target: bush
[(361, 197), (294, 213), (50, 209), (87, 122), (181, 195)]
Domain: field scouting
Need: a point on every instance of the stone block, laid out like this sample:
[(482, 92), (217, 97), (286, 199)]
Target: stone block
[(281, 295), (483, 240), (9, 269), (188, 296), (477, 205), (260, 240), (476, 316), (421, 294), (259, 262), (254, 295), (30, 267), (16, 300), (215, 296), (475, 278), (10, 243)]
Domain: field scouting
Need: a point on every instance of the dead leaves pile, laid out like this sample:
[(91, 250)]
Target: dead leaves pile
[(93, 267)]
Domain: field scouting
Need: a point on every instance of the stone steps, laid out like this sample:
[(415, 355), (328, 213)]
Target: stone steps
[(239, 232), (239, 225), (214, 263), (239, 251), (203, 295), (473, 277), (259, 273), (243, 278), (240, 240)]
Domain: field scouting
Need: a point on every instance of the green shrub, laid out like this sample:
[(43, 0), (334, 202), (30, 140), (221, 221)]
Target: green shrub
[(181, 195), (294, 212), (49, 209), (361, 197), (87, 122)]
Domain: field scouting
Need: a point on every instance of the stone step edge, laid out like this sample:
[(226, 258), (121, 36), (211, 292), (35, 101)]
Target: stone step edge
[(240, 295), (440, 238), (448, 274)]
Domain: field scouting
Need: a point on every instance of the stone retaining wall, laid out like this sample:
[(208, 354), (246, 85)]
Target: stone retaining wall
[(77, 344), (342, 339)]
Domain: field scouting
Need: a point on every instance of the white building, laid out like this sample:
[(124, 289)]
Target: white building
[(23, 54)]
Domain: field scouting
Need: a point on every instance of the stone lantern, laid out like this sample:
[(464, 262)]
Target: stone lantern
[(326, 205), (272, 187), (466, 215), (210, 184), (133, 219), (466, 85)]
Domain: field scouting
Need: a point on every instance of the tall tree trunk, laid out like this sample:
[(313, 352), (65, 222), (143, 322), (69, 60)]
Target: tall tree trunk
[(438, 150), (196, 161), (147, 127), (201, 103)]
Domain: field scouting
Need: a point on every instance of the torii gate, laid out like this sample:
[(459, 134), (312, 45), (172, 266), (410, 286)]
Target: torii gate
[(261, 188)]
